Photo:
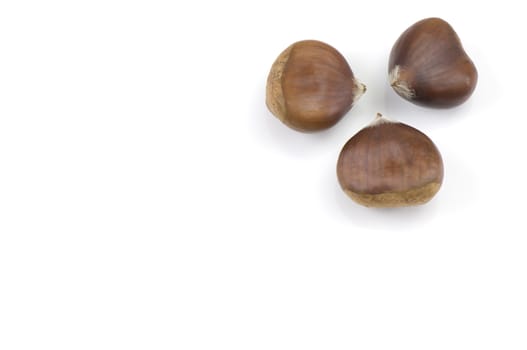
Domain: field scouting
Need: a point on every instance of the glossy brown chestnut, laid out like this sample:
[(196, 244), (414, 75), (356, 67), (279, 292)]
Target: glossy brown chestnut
[(311, 86), (429, 67), (390, 164)]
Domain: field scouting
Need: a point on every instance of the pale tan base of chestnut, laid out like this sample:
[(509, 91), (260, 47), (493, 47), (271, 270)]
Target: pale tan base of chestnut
[(274, 97), (415, 196)]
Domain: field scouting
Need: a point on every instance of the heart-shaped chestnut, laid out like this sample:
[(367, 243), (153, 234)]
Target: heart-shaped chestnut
[(429, 67)]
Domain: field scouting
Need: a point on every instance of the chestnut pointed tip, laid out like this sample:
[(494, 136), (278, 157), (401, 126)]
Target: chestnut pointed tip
[(358, 90), (399, 84), (380, 119)]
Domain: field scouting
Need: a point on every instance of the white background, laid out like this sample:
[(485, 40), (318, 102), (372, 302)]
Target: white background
[(148, 199)]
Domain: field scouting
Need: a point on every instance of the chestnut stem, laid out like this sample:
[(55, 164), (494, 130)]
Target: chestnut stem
[(380, 119)]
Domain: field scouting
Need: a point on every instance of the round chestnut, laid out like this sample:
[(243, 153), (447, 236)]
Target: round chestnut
[(311, 86), (429, 67), (390, 164)]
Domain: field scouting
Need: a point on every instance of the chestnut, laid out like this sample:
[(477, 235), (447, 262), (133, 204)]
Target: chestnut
[(428, 66), (311, 86), (390, 164)]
